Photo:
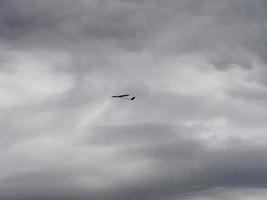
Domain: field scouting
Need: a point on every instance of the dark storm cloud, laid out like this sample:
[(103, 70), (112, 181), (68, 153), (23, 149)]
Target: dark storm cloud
[(33, 23), (225, 31)]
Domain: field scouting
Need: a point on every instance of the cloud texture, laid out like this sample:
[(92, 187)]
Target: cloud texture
[(197, 129)]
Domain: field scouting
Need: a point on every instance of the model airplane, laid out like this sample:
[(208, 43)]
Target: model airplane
[(123, 96)]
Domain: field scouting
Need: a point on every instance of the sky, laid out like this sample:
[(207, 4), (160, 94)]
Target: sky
[(196, 130)]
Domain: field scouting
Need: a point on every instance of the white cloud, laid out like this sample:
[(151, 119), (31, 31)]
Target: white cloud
[(32, 81)]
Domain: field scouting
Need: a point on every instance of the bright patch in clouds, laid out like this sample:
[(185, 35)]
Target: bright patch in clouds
[(32, 81)]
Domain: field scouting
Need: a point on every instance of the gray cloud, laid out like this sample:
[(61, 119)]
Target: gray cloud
[(233, 28), (196, 130), (175, 163)]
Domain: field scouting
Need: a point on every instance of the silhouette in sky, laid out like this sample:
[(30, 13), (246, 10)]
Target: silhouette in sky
[(123, 96)]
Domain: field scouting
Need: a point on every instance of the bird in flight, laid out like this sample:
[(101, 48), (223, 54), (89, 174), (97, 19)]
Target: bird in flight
[(123, 96)]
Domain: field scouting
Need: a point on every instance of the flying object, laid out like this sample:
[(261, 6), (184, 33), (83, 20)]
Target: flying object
[(123, 96)]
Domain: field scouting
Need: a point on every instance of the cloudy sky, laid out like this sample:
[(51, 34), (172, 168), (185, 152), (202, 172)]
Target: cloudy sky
[(196, 131)]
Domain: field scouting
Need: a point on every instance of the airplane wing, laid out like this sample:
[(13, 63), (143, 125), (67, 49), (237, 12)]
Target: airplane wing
[(124, 95)]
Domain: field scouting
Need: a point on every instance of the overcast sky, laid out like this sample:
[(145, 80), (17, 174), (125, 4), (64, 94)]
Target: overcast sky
[(196, 131)]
